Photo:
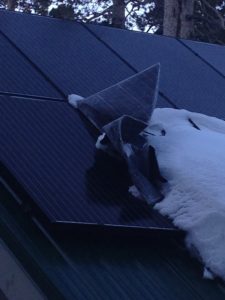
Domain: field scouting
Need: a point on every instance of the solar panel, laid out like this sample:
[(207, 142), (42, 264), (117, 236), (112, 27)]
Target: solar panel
[(213, 54), (185, 79), (50, 149), (66, 52), (75, 61), (17, 75)]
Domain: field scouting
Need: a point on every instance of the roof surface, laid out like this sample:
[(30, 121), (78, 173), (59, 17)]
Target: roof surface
[(44, 60)]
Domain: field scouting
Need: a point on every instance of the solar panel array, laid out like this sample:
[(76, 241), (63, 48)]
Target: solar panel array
[(186, 80), (49, 148)]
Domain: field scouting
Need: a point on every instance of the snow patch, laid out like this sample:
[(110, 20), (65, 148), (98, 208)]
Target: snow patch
[(127, 149), (133, 190), (193, 162), (207, 274), (74, 99), (99, 144)]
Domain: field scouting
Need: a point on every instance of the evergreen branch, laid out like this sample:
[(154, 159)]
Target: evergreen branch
[(99, 14), (214, 10)]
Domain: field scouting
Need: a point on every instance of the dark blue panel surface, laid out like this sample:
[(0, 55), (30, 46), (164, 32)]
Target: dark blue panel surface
[(65, 51), (17, 75), (83, 67), (162, 102), (185, 79), (213, 54), (49, 150)]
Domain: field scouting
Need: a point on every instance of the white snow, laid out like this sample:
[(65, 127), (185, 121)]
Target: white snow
[(133, 190), (73, 99), (98, 143), (127, 149), (193, 162), (207, 274)]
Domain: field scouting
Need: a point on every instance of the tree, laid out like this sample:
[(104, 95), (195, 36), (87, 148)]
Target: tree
[(178, 18), (197, 19), (209, 17), (118, 13)]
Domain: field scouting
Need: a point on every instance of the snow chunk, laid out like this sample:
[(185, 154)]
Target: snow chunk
[(73, 99), (99, 145), (207, 274), (133, 190), (193, 162), (127, 149)]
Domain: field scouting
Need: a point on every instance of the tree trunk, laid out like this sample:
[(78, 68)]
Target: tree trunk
[(11, 4), (118, 14), (171, 17), (186, 19), (178, 18)]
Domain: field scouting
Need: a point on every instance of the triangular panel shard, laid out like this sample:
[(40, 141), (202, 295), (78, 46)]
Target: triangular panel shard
[(122, 112), (135, 96)]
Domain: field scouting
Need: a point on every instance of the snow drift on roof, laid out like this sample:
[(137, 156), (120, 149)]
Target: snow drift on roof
[(191, 156)]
